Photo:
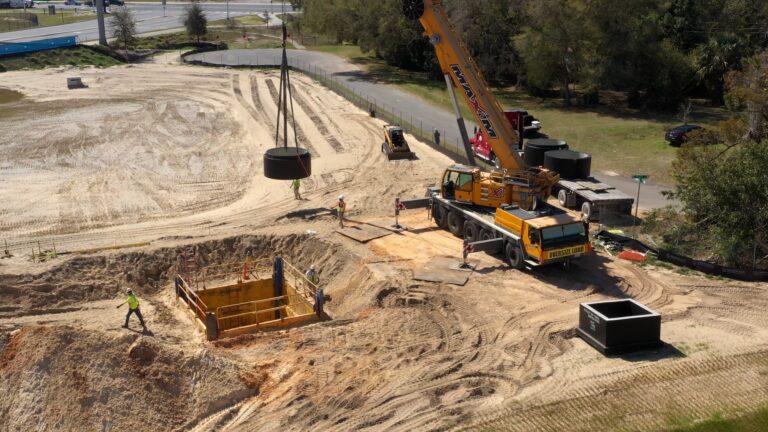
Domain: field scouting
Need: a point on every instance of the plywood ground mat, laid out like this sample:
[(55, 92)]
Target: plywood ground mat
[(363, 233), (442, 269)]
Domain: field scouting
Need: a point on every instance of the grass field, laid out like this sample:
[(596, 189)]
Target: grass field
[(753, 422), (620, 140), (249, 20), (75, 56), (63, 16), (232, 37)]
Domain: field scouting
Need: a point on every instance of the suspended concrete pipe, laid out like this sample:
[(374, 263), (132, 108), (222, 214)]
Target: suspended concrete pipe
[(287, 163), (284, 162)]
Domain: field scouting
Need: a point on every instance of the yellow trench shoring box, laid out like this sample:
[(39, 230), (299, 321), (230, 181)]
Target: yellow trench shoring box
[(254, 302)]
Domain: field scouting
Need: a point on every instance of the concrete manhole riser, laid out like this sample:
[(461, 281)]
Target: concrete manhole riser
[(619, 326)]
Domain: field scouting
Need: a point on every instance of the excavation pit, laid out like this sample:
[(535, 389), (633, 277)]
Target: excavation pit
[(619, 326), (242, 298)]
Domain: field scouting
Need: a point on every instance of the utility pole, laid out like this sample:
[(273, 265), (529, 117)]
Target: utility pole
[(100, 20), (640, 179)]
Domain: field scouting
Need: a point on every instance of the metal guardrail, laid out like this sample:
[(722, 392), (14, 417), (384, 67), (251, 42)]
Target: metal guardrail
[(299, 281), (288, 301), (240, 271), (191, 298)]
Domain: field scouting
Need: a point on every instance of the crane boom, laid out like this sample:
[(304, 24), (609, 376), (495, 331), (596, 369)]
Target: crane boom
[(456, 62)]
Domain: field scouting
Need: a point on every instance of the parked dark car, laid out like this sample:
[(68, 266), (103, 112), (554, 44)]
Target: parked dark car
[(678, 135), (107, 3)]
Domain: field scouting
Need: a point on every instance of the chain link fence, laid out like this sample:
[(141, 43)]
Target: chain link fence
[(11, 21)]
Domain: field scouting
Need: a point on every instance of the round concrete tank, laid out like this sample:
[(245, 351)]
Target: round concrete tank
[(287, 163), (569, 164), (535, 149)]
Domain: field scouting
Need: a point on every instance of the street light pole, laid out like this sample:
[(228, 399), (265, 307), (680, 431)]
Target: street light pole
[(227, 11), (640, 179)]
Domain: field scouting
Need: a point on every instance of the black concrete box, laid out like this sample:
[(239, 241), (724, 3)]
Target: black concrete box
[(619, 326)]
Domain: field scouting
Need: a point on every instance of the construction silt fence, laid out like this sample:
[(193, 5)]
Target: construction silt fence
[(745, 274)]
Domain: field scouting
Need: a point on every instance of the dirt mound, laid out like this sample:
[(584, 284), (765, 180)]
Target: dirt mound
[(59, 378)]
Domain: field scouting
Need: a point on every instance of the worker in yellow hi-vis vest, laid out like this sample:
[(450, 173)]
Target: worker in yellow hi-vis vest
[(341, 207), (133, 308), (295, 185)]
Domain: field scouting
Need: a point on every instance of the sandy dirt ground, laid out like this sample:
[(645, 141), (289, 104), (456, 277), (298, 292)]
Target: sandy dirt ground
[(170, 157)]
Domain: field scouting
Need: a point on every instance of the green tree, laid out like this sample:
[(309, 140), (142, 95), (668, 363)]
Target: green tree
[(124, 28), (556, 46), (724, 189), (635, 57), (720, 54), (195, 22), (488, 28)]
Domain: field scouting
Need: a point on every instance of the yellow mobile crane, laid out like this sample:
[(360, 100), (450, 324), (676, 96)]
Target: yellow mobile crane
[(504, 209), (524, 185)]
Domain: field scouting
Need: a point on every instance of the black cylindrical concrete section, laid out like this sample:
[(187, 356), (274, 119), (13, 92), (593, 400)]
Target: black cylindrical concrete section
[(535, 149), (569, 164), (287, 163)]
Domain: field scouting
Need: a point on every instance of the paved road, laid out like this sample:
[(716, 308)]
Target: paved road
[(405, 105), (149, 18)]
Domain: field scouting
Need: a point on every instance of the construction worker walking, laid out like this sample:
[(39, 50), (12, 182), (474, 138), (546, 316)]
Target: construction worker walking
[(133, 308), (312, 275), (295, 185), (341, 207)]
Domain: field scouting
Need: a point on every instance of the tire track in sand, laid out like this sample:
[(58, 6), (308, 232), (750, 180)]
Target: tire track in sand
[(319, 123), (300, 135)]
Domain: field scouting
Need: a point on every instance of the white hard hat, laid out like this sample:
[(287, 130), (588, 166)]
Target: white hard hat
[(341, 197), (312, 267), (129, 291)]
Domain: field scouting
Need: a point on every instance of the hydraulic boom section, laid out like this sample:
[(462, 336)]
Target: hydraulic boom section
[(457, 64)]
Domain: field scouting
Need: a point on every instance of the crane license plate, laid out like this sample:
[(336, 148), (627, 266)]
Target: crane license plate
[(560, 253)]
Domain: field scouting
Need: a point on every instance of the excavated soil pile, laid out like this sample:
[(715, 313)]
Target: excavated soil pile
[(62, 378), (65, 364)]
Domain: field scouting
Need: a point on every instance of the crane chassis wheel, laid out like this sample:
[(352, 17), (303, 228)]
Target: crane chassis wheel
[(514, 255), (455, 223), (471, 232), (441, 216)]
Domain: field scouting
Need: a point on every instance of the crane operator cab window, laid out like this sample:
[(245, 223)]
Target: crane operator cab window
[(458, 185)]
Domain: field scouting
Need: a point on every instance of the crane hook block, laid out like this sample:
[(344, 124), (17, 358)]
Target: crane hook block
[(287, 163)]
